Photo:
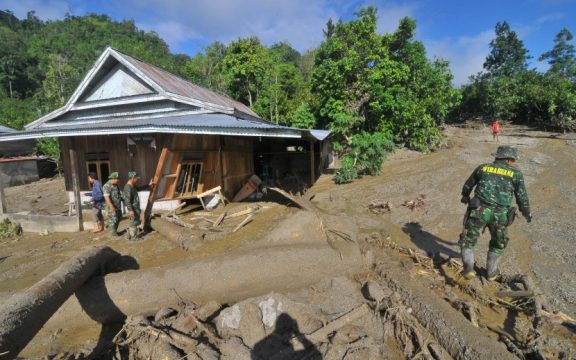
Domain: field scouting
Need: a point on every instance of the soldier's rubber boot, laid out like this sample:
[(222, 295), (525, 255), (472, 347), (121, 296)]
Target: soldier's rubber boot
[(492, 266), (468, 260), (133, 234)]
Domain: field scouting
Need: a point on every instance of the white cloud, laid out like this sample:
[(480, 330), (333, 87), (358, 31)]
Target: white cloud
[(550, 18), (389, 16), (300, 22), (466, 54), (176, 32), (45, 9)]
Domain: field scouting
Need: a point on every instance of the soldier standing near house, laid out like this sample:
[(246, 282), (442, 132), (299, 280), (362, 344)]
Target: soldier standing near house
[(132, 202), (496, 183), (113, 198)]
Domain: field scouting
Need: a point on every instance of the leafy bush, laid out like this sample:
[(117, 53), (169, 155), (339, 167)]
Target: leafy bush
[(365, 156), (9, 229), (347, 173)]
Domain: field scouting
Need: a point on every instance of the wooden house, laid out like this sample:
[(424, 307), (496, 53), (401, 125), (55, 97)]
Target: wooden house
[(129, 115)]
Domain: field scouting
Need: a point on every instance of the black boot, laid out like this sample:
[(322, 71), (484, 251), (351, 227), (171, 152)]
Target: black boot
[(492, 266), (468, 260)]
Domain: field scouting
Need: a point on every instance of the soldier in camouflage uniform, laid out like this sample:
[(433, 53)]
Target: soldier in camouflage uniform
[(113, 199), (496, 184), (132, 202)]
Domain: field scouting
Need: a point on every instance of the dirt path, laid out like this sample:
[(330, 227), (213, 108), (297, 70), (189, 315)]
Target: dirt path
[(429, 184)]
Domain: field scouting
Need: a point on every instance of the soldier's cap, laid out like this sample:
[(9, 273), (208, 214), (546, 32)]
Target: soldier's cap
[(506, 152), (113, 175), (133, 174)]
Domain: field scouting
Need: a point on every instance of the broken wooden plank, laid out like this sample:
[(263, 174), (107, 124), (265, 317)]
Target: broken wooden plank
[(23, 314), (244, 222), (219, 220), (247, 211), (288, 196), (154, 188)]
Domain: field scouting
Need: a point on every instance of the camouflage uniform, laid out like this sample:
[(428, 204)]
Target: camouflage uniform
[(132, 201), (113, 192), (496, 185)]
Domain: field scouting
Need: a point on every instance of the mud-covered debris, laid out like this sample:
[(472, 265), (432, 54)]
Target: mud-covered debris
[(375, 292), (378, 206), (165, 313), (415, 203)]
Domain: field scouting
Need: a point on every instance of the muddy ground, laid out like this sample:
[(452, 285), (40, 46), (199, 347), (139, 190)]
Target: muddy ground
[(423, 213)]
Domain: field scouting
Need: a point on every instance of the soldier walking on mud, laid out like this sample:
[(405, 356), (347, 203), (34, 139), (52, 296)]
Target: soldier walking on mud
[(113, 199), (496, 184), (132, 202)]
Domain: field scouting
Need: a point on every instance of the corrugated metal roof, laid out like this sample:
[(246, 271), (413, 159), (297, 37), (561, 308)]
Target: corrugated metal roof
[(176, 85), (4, 129), (213, 124), (319, 134)]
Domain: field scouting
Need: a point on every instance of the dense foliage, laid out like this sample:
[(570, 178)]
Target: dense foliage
[(508, 90), (374, 91)]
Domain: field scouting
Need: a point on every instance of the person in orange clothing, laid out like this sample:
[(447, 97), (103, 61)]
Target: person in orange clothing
[(495, 130)]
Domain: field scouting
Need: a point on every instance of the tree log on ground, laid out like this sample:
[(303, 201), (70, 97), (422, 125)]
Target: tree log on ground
[(224, 279), (24, 313)]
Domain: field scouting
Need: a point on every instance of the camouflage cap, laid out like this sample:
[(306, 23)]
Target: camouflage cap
[(113, 175), (506, 152), (133, 174)]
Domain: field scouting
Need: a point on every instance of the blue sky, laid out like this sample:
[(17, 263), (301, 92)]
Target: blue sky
[(456, 30)]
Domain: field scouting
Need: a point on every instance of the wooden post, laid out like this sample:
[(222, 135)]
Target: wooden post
[(76, 184), (2, 198), (312, 167), (221, 161), (153, 193)]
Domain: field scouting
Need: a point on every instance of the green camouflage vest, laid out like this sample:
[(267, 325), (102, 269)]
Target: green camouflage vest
[(497, 184), (113, 191), (131, 198)]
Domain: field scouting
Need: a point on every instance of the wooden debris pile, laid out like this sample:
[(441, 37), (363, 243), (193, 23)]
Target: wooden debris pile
[(415, 203), (379, 206), (199, 227), (366, 319)]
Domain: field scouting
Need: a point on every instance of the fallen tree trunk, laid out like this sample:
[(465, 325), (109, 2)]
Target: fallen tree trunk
[(459, 337), (224, 279), (23, 314)]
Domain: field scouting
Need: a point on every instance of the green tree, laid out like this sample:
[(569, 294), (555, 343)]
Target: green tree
[(507, 52), (302, 117), (205, 68), (562, 58), (245, 64)]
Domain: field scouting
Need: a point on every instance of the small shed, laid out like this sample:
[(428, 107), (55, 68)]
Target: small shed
[(129, 115)]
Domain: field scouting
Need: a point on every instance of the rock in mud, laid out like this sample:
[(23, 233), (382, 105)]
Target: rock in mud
[(375, 292)]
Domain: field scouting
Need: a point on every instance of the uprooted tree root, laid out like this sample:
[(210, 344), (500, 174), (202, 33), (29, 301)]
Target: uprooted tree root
[(526, 299)]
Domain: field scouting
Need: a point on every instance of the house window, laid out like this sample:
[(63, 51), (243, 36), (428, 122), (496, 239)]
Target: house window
[(100, 167), (189, 178)]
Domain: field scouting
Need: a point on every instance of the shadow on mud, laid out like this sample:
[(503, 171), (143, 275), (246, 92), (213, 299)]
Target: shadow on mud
[(279, 344), (429, 242)]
